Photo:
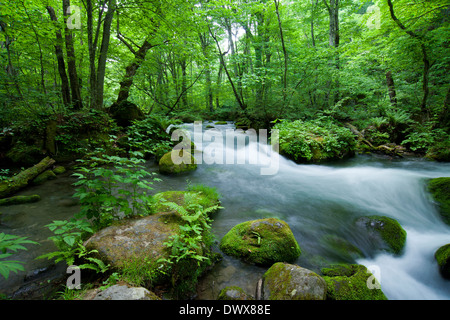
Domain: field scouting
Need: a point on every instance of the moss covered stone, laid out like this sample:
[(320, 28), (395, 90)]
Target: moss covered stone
[(167, 166), (285, 281), (59, 170), (233, 293), (442, 256), (44, 176), (386, 232), (263, 241), (351, 282), (185, 199), (440, 190)]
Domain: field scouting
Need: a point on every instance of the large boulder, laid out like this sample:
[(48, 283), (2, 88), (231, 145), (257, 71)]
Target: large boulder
[(167, 166), (384, 232), (263, 242), (136, 241), (442, 256), (159, 249), (352, 282), (285, 281), (440, 191)]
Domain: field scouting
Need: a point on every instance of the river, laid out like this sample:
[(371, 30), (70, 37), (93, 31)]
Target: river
[(319, 202)]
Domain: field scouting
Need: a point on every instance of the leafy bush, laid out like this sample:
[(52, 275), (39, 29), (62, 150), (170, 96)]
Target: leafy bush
[(314, 141), (11, 243), (112, 187)]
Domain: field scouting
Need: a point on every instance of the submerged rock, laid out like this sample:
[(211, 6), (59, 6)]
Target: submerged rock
[(233, 293), (385, 232), (263, 241), (442, 256), (440, 190), (352, 282), (285, 281), (167, 166)]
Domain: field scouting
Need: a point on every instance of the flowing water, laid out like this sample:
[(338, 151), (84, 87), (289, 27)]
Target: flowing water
[(319, 202)]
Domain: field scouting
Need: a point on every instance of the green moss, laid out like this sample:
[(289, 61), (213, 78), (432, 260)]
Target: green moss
[(59, 170), (19, 200), (285, 281), (442, 256), (263, 242), (220, 122), (233, 293), (440, 190), (184, 199), (166, 165), (390, 231), (44, 176), (351, 282)]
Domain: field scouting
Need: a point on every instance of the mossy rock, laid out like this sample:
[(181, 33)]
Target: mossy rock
[(59, 170), (440, 191), (233, 293), (167, 166), (351, 282), (220, 123), (44, 176), (442, 256), (184, 199), (285, 281), (19, 200), (262, 242), (24, 154), (386, 232)]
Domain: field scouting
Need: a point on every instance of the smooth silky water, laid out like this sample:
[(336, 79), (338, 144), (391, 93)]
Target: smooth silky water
[(319, 202)]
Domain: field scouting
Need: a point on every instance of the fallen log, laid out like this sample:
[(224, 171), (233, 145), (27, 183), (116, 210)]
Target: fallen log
[(19, 200), (22, 179)]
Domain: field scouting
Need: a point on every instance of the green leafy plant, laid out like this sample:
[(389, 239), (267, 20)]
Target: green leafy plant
[(113, 187), (12, 243)]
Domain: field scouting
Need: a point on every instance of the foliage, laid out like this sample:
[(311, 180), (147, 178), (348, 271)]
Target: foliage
[(112, 187), (189, 249), (10, 243), (314, 140)]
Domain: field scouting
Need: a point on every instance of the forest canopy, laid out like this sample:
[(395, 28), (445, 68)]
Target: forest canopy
[(382, 66)]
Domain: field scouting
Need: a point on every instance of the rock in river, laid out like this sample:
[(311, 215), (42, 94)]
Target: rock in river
[(263, 242)]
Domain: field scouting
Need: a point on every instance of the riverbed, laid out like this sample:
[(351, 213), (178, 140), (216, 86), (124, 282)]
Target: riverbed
[(319, 202)]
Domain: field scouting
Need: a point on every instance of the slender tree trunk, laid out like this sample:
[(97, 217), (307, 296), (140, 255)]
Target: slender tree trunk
[(391, 88), (284, 52), (71, 65), (130, 71), (239, 98), (426, 63), (65, 88), (101, 66)]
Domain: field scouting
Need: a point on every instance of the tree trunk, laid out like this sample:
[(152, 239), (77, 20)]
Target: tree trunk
[(65, 89), (284, 54), (391, 88), (22, 179), (426, 63), (71, 62), (130, 71), (101, 67)]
